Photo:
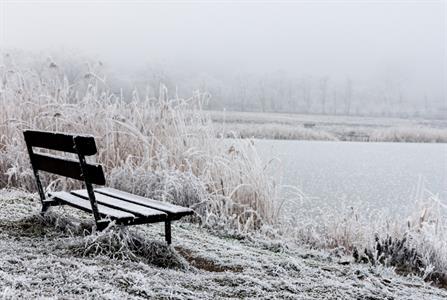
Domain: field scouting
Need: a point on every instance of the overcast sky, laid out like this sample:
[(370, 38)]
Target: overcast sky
[(360, 39)]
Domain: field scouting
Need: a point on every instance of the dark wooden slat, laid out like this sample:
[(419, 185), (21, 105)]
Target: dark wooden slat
[(85, 205), (137, 210), (67, 167), (168, 208), (60, 141)]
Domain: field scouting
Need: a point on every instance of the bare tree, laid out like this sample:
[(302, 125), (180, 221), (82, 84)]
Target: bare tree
[(334, 99), (348, 96), (262, 95), (323, 86), (305, 86)]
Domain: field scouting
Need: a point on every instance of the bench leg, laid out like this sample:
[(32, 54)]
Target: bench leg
[(46, 205), (44, 209), (168, 232), (101, 225)]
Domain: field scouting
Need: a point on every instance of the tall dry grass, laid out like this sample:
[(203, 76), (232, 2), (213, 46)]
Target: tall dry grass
[(412, 244), (161, 147)]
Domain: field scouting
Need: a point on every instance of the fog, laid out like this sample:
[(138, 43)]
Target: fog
[(391, 55)]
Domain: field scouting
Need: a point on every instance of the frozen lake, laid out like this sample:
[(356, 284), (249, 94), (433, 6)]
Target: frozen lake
[(383, 175)]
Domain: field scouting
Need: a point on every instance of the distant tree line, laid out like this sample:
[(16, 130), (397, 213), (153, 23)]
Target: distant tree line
[(280, 92)]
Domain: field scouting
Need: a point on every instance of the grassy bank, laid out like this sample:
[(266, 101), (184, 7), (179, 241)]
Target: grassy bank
[(51, 257)]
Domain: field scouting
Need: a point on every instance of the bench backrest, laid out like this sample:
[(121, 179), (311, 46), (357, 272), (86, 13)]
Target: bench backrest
[(81, 145), (79, 169)]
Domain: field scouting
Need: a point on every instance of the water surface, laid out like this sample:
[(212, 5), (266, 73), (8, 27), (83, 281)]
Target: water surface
[(381, 175)]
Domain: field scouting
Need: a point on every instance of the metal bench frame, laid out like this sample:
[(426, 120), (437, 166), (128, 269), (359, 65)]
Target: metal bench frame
[(82, 146)]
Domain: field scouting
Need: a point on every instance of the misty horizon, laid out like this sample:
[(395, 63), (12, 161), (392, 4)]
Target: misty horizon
[(388, 52)]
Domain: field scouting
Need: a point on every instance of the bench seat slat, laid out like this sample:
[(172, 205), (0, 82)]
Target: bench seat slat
[(85, 205), (168, 208), (137, 210)]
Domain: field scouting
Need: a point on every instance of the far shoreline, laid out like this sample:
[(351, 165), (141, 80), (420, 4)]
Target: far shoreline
[(279, 126)]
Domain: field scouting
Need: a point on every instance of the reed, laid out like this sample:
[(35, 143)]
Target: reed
[(162, 147), (412, 244)]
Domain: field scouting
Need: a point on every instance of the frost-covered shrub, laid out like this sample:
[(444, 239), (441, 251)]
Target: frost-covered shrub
[(181, 188)]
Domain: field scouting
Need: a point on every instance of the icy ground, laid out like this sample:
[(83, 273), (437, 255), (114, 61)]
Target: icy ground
[(52, 258)]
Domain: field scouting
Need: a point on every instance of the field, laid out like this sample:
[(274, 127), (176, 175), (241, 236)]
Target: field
[(328, 127), (239, 244)]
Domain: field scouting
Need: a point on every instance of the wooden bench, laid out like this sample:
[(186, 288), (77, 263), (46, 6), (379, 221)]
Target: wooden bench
[(106, 204)]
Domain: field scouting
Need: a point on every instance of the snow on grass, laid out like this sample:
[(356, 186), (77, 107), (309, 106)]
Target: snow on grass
[(41, 259)]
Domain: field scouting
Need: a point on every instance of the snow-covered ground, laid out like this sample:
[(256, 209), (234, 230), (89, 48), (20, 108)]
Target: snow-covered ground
[(51, 257), (328, 127)]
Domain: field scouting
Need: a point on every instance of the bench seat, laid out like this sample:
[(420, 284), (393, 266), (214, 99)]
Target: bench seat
[(174, 212), (84, 204), (135, 209), (122, 212)]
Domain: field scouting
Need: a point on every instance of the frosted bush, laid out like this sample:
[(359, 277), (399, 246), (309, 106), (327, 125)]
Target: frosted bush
[(181, 188)]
